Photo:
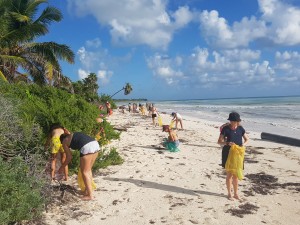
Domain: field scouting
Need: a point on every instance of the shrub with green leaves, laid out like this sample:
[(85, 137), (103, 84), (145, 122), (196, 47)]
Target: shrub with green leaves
[(106, 158), (20, 197), (47, 105), (22, 165)]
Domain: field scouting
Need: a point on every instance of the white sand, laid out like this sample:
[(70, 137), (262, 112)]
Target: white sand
[(154, 186)]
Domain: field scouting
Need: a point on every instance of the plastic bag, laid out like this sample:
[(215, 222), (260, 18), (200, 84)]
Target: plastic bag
[(170, 145), (160, 123), (81, 182), (235, 161), (172, 124)]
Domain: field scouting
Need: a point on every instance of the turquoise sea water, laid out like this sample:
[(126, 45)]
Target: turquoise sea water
[(278, 115)]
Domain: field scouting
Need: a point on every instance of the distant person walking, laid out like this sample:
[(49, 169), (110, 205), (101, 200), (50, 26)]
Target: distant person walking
[(154, 114), (233, 138)]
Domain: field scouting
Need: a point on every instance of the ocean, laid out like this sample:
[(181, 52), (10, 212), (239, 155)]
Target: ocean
[(276, 115)]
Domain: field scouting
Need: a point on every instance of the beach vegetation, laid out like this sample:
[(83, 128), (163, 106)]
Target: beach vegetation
[(20, 189), (22, 59), (27, 111), (22, 165), (87, 88)]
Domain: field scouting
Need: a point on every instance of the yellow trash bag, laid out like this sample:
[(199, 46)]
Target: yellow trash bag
[(81, 182), (235, 161), (172, 124), (98, 136), (160, 123)]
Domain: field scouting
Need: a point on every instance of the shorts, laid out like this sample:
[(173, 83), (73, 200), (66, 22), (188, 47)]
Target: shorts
[(225, 152), (56, 145), (90, 148), (153, 115)]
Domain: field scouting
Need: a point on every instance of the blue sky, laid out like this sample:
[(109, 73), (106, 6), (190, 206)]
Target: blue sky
[(183, 49)]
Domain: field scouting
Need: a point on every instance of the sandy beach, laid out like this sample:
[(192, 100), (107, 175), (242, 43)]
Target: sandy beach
[(155, 186)]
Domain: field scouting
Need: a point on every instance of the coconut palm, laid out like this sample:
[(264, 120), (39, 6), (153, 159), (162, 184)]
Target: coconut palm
[(127, 89), (18, 53)]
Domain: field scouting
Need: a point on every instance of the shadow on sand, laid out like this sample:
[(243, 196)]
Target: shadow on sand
[(164, 187)]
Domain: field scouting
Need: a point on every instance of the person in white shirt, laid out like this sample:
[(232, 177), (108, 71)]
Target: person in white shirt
[(177, 118)]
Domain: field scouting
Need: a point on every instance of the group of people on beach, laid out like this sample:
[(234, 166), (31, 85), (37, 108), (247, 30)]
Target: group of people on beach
[(232, 137)]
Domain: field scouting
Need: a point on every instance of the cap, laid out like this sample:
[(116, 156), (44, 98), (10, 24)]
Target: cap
[(172, 114), (234, 116)]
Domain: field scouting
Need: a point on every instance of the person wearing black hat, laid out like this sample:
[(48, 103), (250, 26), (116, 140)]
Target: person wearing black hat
[(232, 134)]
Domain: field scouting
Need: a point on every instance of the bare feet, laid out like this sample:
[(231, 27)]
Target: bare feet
[(230, 197), (87, 198), (237, 197)]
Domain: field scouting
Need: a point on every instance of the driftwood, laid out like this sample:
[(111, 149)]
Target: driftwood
[(280, 139), (120, 128)]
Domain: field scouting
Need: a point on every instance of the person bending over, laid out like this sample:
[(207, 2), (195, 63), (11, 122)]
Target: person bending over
[(172, 142), (89, 149), (56, 148), (177, 118)]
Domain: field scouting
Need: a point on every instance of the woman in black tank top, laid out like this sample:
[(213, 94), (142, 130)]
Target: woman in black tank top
[(89, 149)]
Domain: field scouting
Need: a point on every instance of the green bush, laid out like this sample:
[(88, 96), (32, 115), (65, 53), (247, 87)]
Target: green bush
[(27, 111), (47, 105), (22, 165), (105, 159), (17, 136), (20, 197)]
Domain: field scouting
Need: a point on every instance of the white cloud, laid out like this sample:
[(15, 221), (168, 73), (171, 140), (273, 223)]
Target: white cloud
[(230, 68), (219, 33), (284, 21), (95, 43), (287, 63), (135, 22), (83, 73), (104, 76), (93, 60), (166, 68), (278, 24)]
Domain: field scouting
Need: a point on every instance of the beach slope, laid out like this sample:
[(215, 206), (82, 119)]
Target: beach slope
[(155, 186)]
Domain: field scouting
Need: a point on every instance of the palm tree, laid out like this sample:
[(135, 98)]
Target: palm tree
[(127, 89), (87, 88), (18, 52)]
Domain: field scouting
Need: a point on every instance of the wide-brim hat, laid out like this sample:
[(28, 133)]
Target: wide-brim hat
[(234, 116)]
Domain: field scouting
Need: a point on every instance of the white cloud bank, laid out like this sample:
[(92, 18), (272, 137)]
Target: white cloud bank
[(236, 68), (135, 22), (279, 24)]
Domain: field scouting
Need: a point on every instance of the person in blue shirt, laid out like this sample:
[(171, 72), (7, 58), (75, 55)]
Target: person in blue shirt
[(231, 134)]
